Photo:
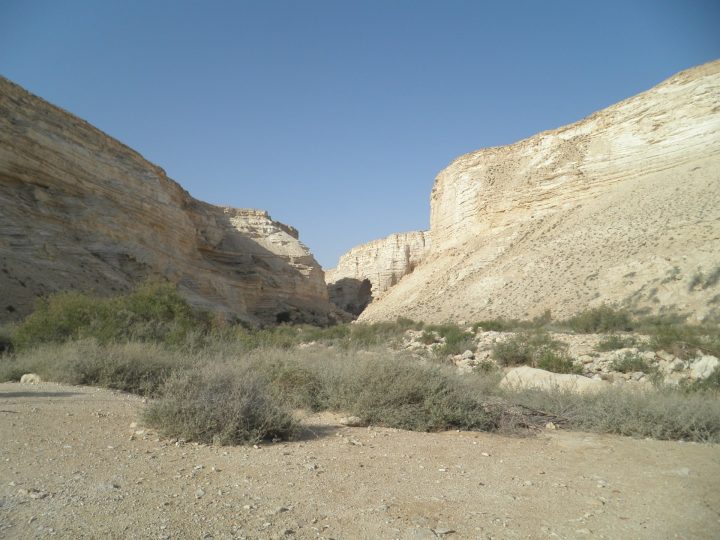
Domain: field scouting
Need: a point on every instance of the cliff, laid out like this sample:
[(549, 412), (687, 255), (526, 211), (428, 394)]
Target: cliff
[(79, 210), (365, 272), (622, 207)]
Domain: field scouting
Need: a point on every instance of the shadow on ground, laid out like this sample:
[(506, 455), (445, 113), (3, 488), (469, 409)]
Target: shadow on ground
[(37, 394)]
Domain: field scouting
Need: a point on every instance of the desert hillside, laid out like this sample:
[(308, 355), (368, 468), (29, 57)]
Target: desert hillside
[(79, 210), (622, 207)]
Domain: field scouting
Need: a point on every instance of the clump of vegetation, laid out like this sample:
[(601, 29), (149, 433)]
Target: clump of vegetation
[(600, 319), (527, 348), (666, 415), (229, 384), (684, 340), (614, 342), (454, 339), (220, 405), (631, 363), (515, 325), (140, 368), (155, 312), (557, 362)]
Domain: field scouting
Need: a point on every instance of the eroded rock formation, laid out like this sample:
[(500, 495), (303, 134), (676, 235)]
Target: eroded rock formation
[(622, 207), (79, 210), (366, 271)]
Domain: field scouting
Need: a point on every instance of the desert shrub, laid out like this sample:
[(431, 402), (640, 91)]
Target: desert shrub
[(363, 335), (220, 404), (486, 367), (526, 348), (683, 340), (6, 339), (153, 312), (712, 279), (293, 382), (668, 414), (600, 319), (495, 325), (455, 341), (631, 363), (614, 342), (416, 396), (428, 337), (557, 362), (140, 368)]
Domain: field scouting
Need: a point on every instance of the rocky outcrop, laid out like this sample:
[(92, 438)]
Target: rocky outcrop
[(622, 207), (79, 210), (366, 271)]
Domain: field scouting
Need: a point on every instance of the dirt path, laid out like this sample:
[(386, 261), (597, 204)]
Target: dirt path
[(71, 466)]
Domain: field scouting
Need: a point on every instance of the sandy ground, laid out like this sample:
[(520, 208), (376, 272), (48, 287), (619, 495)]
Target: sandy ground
[(72, 466)]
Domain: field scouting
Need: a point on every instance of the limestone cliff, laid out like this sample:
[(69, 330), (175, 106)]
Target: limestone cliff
[(622, 207), (79, 210), (366, 271)]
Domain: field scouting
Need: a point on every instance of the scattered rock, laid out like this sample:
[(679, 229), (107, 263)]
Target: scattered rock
[(30, 378), (703, 367), (527, 377), (353, 421)]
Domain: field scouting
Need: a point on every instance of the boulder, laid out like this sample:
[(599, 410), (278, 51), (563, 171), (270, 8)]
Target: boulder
[(30, 378), (702, 367), (527, 377)]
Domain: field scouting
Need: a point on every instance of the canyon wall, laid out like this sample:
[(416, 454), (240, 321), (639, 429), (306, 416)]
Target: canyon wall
[(365, 272), (622, 207), (79, 210)]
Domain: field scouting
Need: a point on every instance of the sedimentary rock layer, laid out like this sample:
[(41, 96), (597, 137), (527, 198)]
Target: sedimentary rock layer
[(622, 207), (79, 210), (366, 271)]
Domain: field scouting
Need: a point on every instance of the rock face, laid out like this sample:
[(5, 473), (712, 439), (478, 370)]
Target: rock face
[(622, 207), (365, 272), (528, 377), (79, 210)]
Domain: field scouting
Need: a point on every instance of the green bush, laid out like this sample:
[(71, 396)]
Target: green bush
[(614, 342), (631, 363), (140, 368), (154, 312), (557, 363), (220, 405), (495, 325), (526, 348), (456, 340), (600, 319)]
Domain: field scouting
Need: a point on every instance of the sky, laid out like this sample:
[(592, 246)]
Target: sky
[(336, 116)]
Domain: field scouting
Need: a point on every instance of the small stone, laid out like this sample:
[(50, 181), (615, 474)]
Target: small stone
[(550, 425), (37, 494), (312, 466), (467, 355), (199, 493)]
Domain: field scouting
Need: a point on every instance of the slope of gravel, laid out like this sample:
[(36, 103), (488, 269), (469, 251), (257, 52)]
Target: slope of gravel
[(73, 465)]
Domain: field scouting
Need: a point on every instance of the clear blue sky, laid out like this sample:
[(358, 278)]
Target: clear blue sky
[(336, 116)]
